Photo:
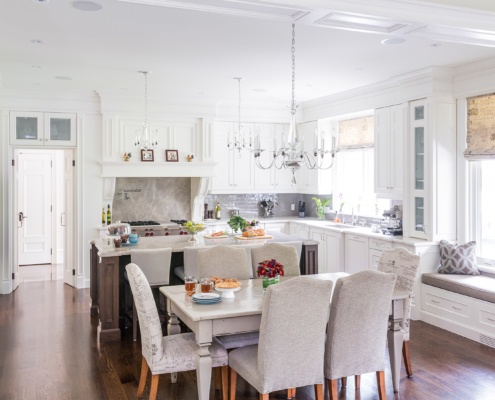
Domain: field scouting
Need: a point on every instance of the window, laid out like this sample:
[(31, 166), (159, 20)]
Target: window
[(354, 169), (482, 210)]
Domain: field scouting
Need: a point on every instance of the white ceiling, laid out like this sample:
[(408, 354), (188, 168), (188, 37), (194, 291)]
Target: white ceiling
[(194, 48)]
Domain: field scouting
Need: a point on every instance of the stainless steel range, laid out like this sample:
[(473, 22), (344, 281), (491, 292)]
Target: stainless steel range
[(153, 228)]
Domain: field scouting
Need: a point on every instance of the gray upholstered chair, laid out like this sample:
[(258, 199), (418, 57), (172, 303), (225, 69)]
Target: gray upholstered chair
[(405, 265), (289, 355), (357, 329), (223, 261), (155, 264), (286, 254), (166, 354)]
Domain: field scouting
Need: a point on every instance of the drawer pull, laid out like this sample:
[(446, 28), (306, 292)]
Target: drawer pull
[(435, 301), (456, 308), (490, 319)]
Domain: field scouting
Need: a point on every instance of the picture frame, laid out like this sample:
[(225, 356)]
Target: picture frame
[(171, 155), (147, 155)]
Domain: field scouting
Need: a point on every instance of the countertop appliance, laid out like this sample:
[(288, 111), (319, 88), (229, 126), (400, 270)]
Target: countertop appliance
[(153, 228), (391, 224)]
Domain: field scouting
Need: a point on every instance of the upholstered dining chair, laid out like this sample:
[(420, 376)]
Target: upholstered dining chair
[(155, 264), (277, 363), (166, 354), (223, 261), (286, 254), (357, 328), (405, 265)]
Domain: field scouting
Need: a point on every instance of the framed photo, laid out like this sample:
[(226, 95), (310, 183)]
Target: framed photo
[(171, 155), (147, 155)]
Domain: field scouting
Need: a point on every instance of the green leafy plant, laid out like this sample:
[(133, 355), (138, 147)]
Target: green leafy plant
[(237, 223), (320, 206)]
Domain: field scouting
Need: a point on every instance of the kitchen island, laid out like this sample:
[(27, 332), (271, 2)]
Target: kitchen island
[(108, 264)]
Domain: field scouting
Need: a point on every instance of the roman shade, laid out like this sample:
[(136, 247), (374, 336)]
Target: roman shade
[(480, 138), (357, 133)]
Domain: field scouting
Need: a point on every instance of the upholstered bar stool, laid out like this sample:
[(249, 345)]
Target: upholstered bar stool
[(155, 264)]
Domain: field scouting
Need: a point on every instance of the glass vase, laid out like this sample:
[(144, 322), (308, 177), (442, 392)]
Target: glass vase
[(270, 281), (320, 212)]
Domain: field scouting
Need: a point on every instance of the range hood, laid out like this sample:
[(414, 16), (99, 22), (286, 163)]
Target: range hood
[(122, 169)]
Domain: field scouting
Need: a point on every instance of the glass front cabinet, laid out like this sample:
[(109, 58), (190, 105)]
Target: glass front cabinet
[(43, 129), (418, 130)]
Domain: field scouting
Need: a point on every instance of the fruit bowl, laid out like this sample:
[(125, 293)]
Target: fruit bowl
[(193, 230)]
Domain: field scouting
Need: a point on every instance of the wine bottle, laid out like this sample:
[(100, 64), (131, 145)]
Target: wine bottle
[(103, 217), (218, 211), (109, 215)]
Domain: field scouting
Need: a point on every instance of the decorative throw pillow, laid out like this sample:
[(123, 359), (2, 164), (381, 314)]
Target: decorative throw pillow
[(458, 259)]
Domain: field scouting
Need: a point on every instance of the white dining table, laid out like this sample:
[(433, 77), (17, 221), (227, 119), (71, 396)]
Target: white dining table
[(243, 314)]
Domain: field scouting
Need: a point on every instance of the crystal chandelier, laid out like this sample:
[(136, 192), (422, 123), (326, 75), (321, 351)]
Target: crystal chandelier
[(144, 140), (291, 153), (238, 141)]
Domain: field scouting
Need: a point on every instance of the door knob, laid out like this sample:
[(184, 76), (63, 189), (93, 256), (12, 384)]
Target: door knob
[(21, 217)]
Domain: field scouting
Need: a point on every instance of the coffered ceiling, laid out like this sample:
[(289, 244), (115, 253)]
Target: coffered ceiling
[(194, 48)]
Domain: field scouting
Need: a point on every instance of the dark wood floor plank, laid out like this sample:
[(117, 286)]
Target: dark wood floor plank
[(48, 350)]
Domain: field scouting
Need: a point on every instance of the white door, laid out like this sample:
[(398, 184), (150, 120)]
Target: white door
[(34, 208), (66, 218)]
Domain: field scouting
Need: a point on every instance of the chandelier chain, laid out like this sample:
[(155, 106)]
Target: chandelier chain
[(293, 66), (145, 97), (239, 108)]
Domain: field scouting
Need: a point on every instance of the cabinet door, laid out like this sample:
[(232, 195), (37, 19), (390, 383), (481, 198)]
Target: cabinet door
[(274, 227), (26, 128), (374, 257), (222, 181), (334, 249), (356, 253), (389, 151), (60, 129), (307, 179), (417, 217), (319, 235), (282, 177), (264, 179)]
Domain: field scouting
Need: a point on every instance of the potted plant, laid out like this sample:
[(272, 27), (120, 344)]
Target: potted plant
[(320, 206)]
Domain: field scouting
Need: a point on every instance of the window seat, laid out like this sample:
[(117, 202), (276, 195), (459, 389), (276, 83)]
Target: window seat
[(463, 304), (480, 287)]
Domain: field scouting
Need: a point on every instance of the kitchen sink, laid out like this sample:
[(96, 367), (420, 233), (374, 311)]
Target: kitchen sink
[(338, 225)]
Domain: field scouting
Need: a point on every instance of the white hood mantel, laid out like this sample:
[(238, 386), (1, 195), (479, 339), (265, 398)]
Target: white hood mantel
[(130, 169)]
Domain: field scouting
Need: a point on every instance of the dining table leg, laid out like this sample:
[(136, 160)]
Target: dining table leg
[(203, 371), (173, 328), (395, 339)]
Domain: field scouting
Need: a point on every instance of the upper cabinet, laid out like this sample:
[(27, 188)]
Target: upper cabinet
[(43, 129), (235, 169), (431, 197), (389, 151)]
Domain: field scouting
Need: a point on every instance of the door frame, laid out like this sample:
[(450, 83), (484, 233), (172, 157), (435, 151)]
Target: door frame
[(54, 218)]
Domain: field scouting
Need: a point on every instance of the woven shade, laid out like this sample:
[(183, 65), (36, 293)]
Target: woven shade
[(480, 138), (357, 133)]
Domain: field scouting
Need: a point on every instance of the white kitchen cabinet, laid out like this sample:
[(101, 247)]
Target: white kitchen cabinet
[(234, 171), (307, 179), (274, 227), (43, 129), (430, 212), (389, 151), (299, 230), (375, 249), (356, 253), (330, 250)]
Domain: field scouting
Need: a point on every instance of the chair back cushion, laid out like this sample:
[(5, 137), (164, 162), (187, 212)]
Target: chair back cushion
[(149, 321), (155, 264), (223, 261), (357, 329), (285, 254), (405, 265), (292, 333)]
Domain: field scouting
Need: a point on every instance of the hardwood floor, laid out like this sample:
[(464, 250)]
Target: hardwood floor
[(48, 350)]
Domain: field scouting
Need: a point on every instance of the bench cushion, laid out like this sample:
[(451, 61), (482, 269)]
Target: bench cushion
[(480, 287)]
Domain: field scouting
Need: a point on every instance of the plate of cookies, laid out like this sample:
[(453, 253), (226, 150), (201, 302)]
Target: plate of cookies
[(227, 286)]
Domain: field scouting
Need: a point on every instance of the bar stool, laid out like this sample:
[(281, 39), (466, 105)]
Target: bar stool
[(155, 264)]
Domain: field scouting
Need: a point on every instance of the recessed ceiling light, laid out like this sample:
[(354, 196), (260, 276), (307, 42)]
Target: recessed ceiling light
[(358, 69), (63, 78), (86, 5), (37, 41), (36, 66), (36, 84), (393, 41), (435, 45), (41, 1), (259, 90), (200, 93)]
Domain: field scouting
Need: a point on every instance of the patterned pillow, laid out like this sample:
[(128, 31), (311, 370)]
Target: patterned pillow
[(458, 259)]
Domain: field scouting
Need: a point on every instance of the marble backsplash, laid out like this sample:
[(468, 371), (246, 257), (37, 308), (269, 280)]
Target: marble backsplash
[(159, 199)]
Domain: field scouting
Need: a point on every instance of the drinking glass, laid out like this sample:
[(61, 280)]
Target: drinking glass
[(206, 285), (190, 285)]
